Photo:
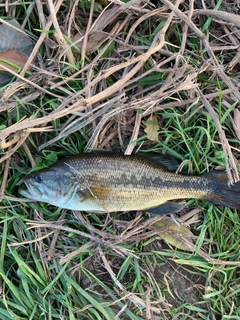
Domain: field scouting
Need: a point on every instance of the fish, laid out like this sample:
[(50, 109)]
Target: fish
[(113, 182)]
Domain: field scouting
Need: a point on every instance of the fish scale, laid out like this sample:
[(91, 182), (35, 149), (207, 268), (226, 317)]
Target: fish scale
[(110, 182)]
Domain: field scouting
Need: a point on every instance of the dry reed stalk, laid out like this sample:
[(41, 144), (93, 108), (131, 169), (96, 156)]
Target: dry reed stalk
[(135, 231), (98, 106), (58, 35)]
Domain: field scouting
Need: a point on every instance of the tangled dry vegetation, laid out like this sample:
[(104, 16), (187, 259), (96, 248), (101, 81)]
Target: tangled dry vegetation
[(104, 70), (110, 87)]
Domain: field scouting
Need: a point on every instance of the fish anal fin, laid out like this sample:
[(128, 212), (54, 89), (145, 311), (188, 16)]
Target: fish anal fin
[(167, 208)]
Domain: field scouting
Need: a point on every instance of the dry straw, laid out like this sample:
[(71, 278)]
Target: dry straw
[(97, 104)]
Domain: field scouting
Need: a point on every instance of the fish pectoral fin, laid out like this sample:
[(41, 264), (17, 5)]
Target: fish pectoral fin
[(81, 195), (166, 208), (88, 194)]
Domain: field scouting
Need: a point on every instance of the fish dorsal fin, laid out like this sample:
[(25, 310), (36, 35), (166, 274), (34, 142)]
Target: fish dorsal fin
[(166, 161)]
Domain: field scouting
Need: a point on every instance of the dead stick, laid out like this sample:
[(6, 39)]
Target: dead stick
[(59, 36), (230, 163), (40, 41)]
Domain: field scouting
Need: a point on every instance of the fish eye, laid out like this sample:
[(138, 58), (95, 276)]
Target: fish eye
[(38, 178)]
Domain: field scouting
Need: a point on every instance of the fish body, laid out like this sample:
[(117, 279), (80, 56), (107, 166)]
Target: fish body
[(107, 182)]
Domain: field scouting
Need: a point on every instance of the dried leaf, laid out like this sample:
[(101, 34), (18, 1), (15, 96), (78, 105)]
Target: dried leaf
[(97, 36), (13, 38), (152, 128), (174, 234), (14, 60), (94, 41), (104, 3), (106, 17)]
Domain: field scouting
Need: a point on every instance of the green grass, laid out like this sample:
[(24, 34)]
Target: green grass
[(142, 276)]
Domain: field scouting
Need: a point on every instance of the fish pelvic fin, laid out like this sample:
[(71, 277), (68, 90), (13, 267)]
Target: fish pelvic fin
[(224, 194)]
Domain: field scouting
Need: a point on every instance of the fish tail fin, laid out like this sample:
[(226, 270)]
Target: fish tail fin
[(224, 194)]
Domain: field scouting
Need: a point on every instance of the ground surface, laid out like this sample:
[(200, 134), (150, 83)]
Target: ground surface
[(155, 76)]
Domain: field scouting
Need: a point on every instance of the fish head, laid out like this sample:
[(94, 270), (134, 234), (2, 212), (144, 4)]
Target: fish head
[(54, 186)]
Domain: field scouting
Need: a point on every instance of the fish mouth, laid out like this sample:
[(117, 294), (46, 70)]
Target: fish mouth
[(32, 192)]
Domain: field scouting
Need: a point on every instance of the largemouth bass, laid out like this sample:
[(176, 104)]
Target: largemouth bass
[(107, 182)]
